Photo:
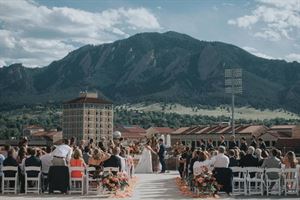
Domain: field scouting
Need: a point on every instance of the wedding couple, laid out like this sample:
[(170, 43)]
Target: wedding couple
[(145, 163)]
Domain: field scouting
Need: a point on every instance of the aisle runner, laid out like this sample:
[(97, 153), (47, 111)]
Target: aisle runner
[(128, 192), (185, 190)]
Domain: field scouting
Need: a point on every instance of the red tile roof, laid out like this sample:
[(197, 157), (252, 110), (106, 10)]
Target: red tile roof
[(82, 100), (131, 132), (220, 129), (48, 134), (33, 127), (163, 129)]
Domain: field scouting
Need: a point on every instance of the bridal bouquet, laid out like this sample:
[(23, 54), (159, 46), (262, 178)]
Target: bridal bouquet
[(205, 182), (123, 179), (110, 182)]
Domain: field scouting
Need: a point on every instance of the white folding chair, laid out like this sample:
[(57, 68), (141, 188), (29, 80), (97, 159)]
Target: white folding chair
[(74, 182), (35, 181), (93, 185), (273, 181), (239, 183), (255, 180), (290, 181), (7, 180), (111, 169)]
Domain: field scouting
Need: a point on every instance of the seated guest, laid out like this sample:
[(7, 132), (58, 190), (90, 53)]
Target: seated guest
[(272, 162), (258, 153), (290, 160), (221, 160), (262, 144), (202, 145), (113, 161), (210, 145), (249, 160), (232, 142), (46, 160), (233, 162), (222, 142), (6, 148), (279, 155), (243, 146), (221, 172), (202, 161), (77, 161), (32, 161), (62, 154), (253, 142), (97, 158), (86, 154), (10, 161)]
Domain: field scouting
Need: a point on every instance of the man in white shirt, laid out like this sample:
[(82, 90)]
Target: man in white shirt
[(62, 154), (221, 160)]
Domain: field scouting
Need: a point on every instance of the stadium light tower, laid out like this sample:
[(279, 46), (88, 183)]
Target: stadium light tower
[(233, 86)]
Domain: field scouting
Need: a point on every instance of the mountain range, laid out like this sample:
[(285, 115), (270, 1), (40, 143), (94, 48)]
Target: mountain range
[(155, 67)]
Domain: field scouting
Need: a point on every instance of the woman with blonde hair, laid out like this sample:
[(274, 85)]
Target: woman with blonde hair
[(290, 160), (77, 161), (96, 160)]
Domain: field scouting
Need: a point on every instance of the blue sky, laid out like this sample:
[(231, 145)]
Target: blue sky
[(36, 32)]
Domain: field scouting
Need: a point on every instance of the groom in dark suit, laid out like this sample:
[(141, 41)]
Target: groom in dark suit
[(161, 155)]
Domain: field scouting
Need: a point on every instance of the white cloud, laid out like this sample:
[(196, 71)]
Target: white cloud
[(257, 53), (293, 57), (35, 34), (274, 19)]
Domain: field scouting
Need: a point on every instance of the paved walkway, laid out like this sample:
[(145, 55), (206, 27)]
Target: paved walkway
[(157, 186)]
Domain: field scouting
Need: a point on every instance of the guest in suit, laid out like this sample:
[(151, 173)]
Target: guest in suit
[(253, 142), (249, 160), (161, 155), (202, 145), (272, 162), (233, 162), (10, 161), (243, 146), (232, 142), (32, 161), (113, 161), (262, 144)]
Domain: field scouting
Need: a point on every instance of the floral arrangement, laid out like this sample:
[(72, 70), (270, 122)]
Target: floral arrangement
[(123, 180), (110, 182), (206, 182)]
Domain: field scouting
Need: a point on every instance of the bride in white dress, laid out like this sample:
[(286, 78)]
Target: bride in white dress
[(145, 163)]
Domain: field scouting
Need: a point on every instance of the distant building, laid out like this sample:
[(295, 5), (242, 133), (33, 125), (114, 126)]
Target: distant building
[(191, 136), (88, 117), (29, 130), (131, 133), (290, 130), (45, 138)]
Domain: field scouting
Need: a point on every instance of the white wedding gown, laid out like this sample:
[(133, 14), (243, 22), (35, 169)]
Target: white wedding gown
[(145, 163)]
